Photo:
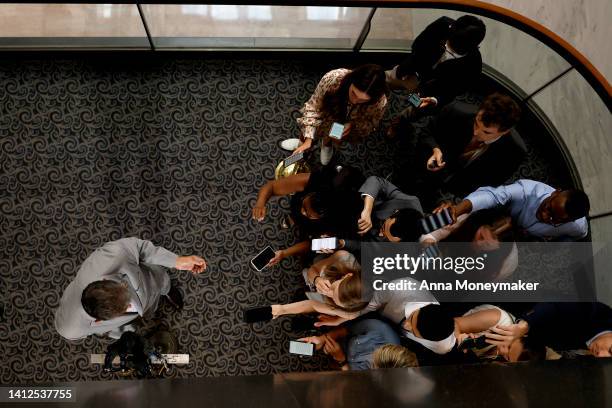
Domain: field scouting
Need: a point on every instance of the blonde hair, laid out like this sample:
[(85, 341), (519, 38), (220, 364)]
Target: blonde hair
[(350, 290), (393, 356)]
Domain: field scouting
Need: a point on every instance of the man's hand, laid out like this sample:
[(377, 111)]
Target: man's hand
[(278, 256), (259, 213), (435, 162), (318, 341), (192, 263), (303, 147), (451, 209), (365, 222), (428, 101), (333, 349)]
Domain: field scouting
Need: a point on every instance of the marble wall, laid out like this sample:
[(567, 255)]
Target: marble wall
[(601, 235), (523, 59), (585, 24)]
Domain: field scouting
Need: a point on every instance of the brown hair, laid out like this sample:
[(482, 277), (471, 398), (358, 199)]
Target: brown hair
[(105, 299), (499, 110), (368, 78), (393, 356), (350, 290)]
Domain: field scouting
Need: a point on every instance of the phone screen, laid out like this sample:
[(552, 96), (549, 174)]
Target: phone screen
[(436, 221), (414, 99), (304, 349), (292, 159), (323, 243), (336, 131), (262, 259)]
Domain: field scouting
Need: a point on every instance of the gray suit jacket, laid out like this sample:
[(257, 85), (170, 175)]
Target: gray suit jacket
[(124, 260), (387, 199)]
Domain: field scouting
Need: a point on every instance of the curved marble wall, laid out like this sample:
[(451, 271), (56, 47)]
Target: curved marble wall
[(585, 24)]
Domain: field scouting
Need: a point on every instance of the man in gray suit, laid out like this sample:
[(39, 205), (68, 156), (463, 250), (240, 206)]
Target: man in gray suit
[(388, 214), (119, 282)]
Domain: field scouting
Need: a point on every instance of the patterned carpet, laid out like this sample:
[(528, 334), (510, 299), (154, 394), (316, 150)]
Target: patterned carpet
[(172, 151)]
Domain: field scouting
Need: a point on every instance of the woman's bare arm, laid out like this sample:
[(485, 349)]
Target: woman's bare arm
[(479, 321)]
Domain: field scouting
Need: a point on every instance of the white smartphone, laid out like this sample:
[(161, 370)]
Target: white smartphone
[(324, 243), (303, 349), (336, 130), (262, 258)]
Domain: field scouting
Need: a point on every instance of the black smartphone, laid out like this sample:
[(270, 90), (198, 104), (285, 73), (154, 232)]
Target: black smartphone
[(470, 343), (258, 314), (436, 221), (292, 159), (262, 258)]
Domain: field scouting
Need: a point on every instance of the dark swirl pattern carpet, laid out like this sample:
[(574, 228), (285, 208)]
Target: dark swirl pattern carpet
[(172, 151)]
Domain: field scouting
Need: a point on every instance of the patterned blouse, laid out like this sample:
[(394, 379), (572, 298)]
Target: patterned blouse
[(315, 123)]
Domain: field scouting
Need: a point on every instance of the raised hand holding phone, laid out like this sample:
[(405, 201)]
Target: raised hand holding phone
[(451, 210), (427, 101), (278, 256), (323, 245), (263, 259), (318, 341), (346, 130), (301, 348), (435, 162), (337, 130)]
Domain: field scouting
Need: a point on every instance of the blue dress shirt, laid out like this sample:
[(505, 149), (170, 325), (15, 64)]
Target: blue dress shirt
[(523, 199)]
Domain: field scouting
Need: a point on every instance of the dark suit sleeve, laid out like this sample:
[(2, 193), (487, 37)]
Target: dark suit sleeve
[(505, 156), (352, 245), (427, 135), (382, 189), (432, 36), (426, 48), (567, 325), (452, 78)]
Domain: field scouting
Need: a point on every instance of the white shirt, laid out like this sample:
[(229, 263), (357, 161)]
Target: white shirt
[(438, 347), (395, 304)]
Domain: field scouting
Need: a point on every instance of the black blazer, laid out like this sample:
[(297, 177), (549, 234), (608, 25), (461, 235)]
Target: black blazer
[(449, 78), (451, 131), (567, 326)]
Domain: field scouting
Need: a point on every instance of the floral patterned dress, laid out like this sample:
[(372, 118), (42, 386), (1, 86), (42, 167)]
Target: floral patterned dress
[(315, 123)]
